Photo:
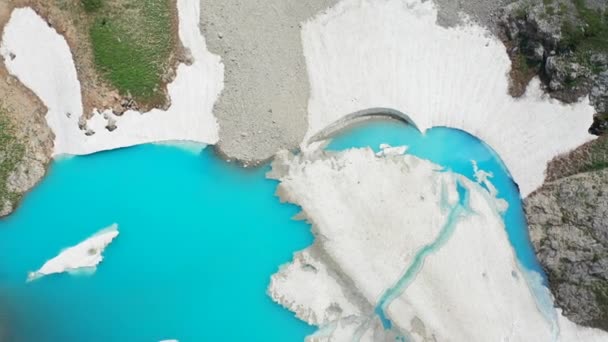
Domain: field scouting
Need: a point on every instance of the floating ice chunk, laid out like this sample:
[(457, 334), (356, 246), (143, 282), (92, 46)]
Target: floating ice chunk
[(388, 150), (85, 256), (483, 177)]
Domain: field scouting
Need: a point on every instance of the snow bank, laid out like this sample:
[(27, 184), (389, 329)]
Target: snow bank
[(339, 185), (473, 282), (371, 215), (365, 54), (84, 256), (299, 282), (41, 59)]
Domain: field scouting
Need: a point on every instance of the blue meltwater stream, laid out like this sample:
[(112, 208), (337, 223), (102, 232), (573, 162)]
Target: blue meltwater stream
[(455, 212), (199, 240), (456, 151)]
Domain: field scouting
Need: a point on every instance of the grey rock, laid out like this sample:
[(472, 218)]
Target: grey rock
[(128, 103), (82, 123), (26, 174), (6, 208), (599, 93), (539, 53), (556, 73), (533, 30), (526, 21), (483, 12), (599, 60), (260, 45), (30, 145), (568, 222), (599, 125), (111, 125), (567, 80)]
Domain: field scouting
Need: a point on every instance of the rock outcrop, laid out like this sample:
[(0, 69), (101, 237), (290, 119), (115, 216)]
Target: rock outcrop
[(566, 43), (592, 156), (26, 141), (599, 98), (568, 222)]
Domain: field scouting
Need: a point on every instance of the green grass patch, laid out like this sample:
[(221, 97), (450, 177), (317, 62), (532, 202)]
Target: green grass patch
[(11, 153), (600, 290), (524, 64), (549, 9), (132, 43), (522, 11), (563, 9), (598, 159), (92, 5), (591, 35)]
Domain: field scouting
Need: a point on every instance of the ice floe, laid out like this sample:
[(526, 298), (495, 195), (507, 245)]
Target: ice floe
[(85, 256)]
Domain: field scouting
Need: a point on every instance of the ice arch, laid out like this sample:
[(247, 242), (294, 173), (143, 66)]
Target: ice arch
[(391, 54), (361, 115)]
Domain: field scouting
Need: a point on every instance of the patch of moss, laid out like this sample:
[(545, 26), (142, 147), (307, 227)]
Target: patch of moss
[(91, 5), (572, 83), (11, 153), (523, 63), (600, 290), (563, 9), (132, 45), (591, 35), (522, 11), (598, 158)]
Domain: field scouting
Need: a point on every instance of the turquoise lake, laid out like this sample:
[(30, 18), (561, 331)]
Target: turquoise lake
[(454, 150), (199, 240)]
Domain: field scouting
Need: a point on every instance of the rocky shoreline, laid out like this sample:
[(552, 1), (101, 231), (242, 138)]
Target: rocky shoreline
[(565, 43), (29, 132), (567, 221)]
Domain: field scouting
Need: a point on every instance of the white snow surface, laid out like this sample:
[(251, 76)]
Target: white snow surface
[(43, 62), (306, 270), (371, 213), (340, 185), (364, 54), (84, 256)]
